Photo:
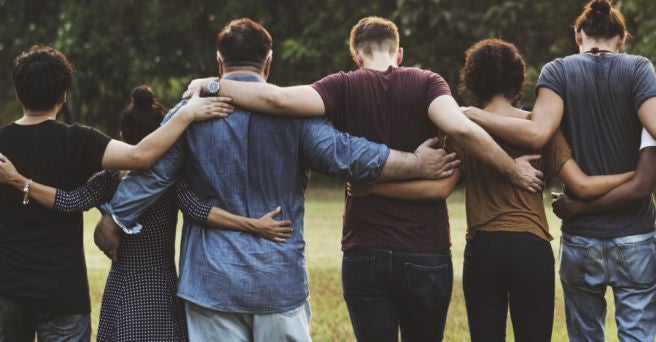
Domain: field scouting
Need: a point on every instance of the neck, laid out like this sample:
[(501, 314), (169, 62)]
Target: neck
[(501, 105), (243, 72), (33, 117), (600, 45), (379, 60)]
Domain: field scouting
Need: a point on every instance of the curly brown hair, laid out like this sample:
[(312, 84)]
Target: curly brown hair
[(493, 66)]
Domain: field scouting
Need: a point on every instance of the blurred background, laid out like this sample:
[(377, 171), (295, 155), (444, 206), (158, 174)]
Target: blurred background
[(116, 45)]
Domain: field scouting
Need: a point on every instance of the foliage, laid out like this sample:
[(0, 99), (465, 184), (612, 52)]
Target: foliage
[(117, 45)]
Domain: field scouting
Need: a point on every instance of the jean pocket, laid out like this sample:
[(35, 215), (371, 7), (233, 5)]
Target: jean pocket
[(572, 262), (639, 262), (358, 279), (430, 284), (63, 325)]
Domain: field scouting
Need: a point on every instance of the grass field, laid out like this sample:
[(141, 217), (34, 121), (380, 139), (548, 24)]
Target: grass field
[(330, 320)]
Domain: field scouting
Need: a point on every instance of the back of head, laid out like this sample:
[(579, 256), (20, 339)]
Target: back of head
[(244, 43), (600, 19), (374, 33), (41, 77), (493, 67), (142, 116)]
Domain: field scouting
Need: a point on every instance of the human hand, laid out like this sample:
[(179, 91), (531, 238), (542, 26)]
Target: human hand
[(201, 83), (471, 112), (205, 108), (107, 236), (435, 163), (270, 229), (565, 207), (9, 174), (525, 176)]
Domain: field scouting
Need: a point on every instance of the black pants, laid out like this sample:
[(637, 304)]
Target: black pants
[(504, 269)]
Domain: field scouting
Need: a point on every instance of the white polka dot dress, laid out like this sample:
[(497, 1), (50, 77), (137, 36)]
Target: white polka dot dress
[(139, 301)]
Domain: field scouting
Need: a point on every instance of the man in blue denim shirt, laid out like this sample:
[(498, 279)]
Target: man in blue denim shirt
[(236, 285)]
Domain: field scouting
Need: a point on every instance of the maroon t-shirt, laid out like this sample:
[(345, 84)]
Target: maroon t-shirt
[(389, 107)]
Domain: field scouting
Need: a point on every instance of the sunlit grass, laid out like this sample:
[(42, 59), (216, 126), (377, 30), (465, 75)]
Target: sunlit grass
[(330, 322)]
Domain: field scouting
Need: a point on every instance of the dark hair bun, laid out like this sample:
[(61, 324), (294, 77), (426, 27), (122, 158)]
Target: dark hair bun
[(600, 6), (143, 97)]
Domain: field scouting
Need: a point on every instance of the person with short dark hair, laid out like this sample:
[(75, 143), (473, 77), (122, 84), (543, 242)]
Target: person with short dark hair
[(237, 287), (140, 302), (600, 98), (43, 282)]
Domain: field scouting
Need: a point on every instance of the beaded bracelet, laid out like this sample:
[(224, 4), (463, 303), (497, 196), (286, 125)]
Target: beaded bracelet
[(26, 192)]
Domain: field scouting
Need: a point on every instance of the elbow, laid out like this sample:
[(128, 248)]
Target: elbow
[(142, 161), (537, 138)]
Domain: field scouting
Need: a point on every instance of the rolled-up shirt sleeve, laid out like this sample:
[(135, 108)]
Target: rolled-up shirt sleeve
[(334, 153), (140, 189)]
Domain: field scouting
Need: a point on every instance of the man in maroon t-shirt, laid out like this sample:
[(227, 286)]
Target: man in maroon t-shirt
[(397, 264)]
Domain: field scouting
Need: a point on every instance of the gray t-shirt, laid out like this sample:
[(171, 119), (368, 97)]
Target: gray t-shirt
[(602, 95)]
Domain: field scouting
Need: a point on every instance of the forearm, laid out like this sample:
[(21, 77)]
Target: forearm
[(221, 219), (42, 194), (595, 186), (517, 131), (629, 193), (587, 187), (420, 190), (271, 99), (481, 145), (154, 145)]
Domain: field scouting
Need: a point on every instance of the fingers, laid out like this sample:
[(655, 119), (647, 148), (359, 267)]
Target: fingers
[(530, 157), (196, 92), (273, 213), (429, 142)]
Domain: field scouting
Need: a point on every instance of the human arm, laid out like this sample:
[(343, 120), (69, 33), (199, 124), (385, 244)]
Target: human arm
[(446, 115), (121, 156), (587, 187), (418, 190), (647, 115), (98, 190), (214, 217), (138, 191), (329, 151), (267, 98), (625, 195), (534, 133)]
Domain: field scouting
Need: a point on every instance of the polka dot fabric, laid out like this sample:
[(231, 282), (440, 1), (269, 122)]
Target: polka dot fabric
[(140, 302)]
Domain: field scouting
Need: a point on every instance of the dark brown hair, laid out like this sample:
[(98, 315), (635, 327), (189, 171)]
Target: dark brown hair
[(600, 19), (142, 116), (372, 31), (41, 77), (243, 42), (492, 67)]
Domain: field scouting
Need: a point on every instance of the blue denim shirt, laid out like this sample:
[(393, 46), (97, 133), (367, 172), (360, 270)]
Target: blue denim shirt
[(247, 164)]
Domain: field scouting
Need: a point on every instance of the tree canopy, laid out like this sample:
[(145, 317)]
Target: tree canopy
[(117, 45)]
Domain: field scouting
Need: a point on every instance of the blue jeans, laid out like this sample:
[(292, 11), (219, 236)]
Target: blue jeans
[(18, 323), (385, 290), (628, 266), (207, 325)]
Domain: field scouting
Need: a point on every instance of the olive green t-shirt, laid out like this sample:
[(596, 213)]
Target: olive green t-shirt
[(495, 204)]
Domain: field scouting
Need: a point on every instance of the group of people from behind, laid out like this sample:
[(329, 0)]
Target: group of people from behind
[(242, 272)]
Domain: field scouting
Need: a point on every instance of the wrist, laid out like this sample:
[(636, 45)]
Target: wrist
[(18, 182)]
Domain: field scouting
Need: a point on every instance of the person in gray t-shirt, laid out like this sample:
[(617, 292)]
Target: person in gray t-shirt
[(600, 98)]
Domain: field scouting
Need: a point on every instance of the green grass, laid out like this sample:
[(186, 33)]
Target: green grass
[(330, 322)]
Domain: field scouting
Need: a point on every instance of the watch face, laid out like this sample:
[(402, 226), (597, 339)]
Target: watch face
[(213, 87)]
